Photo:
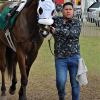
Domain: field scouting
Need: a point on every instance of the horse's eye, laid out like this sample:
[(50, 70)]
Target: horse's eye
[(53, 12), (40, 10)]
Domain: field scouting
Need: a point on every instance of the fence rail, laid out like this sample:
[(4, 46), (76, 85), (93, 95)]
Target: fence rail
[(90, 29)]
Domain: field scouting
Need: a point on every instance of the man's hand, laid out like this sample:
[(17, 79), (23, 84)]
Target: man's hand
[(9, 14), (52, 29)]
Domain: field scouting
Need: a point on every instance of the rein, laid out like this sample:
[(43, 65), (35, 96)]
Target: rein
[(49, 43)]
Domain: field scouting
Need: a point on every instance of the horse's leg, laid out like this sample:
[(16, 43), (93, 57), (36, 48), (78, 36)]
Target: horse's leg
[(2, 68), (22, 66), (11, 61), (3, 87), (30, 59), (14, 79), (33, 53)]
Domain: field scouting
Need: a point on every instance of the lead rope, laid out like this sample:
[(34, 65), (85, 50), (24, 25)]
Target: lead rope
[(49, 42)]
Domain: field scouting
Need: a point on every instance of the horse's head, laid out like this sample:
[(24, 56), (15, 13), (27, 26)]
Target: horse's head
[(37, 15), (46, 10)]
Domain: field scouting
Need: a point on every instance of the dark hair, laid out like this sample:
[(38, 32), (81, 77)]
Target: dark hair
[(67, 3)]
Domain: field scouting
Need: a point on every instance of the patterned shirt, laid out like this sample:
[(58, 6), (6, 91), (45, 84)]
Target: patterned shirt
[(66, 37)]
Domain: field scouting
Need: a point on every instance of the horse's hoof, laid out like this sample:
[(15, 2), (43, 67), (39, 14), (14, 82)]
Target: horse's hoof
[(12, 90), (22, 98)]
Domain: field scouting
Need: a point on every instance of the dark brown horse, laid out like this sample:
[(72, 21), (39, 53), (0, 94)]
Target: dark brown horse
[(27, 40)]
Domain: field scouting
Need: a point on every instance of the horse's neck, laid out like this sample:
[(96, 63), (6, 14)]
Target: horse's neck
[(26, 26), (31, 16), (28, 20)]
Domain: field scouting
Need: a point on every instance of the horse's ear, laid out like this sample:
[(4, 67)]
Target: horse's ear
[(42, 0), (28, 3)]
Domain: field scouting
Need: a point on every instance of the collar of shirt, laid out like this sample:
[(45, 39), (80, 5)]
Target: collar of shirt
[(68, 21)]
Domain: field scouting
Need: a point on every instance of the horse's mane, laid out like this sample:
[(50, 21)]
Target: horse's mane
[(31, 13)]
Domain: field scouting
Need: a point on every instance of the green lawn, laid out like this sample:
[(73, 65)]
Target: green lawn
[(90, 50)]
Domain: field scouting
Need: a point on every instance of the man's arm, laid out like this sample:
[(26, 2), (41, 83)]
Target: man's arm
[(55, 29)]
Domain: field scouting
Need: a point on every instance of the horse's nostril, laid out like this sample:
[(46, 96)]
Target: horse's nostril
[(40, 10)]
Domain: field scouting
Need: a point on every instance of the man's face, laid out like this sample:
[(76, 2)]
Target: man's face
[(68, 11)]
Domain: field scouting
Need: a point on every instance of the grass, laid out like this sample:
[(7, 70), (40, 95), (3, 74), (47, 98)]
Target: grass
[(90, 51)]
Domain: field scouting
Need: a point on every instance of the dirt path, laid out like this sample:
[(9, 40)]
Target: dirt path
[(44, 89), (92, 90)]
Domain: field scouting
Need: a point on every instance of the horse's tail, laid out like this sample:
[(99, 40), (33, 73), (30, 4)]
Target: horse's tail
[(11, 60)]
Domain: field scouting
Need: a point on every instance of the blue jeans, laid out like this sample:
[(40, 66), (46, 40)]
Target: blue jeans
[(62, 66)]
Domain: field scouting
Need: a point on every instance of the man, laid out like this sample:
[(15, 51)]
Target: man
[(66, 32)]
